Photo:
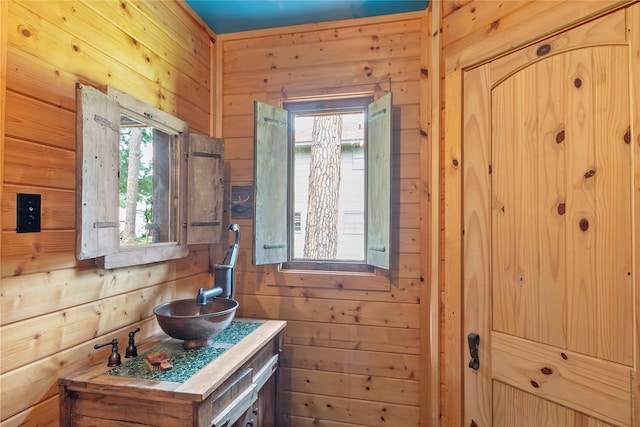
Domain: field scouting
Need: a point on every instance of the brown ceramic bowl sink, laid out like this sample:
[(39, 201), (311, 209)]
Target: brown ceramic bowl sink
[(196, 325)]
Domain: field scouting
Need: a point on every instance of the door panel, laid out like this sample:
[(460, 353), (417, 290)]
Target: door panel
[(561, 253), (548, 270), (589, 385), (525, 410)]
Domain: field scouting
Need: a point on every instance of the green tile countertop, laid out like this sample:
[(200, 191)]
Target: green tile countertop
[(185, 362), (196, 373)]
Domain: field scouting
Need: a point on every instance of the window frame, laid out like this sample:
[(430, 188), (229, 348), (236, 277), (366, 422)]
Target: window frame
[(320, 106), (97, 174), (272, 224)]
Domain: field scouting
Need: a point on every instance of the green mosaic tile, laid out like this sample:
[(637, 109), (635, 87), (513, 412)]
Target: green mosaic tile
[(236, 332), (185, 362)]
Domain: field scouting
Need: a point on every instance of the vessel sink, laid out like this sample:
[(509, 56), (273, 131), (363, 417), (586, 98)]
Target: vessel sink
[(196, 325)]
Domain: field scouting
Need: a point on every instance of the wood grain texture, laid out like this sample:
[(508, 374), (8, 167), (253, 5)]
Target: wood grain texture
[(503, 27), (430, 205), (53, 307), (557, 209), (343, 327), (238, 372), (335, 409), (451, 339), (532, 412), (603, 387), (363, 387), (477, 243), (470, 40), (633, 21)]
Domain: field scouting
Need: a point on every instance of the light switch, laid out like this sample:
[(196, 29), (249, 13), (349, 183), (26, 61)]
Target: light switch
[(28, 213)]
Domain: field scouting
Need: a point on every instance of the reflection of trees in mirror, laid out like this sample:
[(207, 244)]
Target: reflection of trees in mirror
[(136, 184)]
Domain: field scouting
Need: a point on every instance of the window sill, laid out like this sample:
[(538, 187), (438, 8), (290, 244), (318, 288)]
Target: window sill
[(377, 280)]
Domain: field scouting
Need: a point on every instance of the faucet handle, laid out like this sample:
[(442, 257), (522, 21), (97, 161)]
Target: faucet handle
[(114, 358), (132, 350)]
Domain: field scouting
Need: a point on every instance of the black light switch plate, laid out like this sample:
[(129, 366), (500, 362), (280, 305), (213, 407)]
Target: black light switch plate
[(28, 213)]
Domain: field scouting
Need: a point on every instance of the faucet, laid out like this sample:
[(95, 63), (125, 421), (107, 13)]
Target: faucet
[(224, 273)]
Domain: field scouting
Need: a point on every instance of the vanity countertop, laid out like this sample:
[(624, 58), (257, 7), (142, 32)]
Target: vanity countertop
[(194, 387)]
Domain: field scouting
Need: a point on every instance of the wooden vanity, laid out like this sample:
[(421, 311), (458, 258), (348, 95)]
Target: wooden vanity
[(238, 388)]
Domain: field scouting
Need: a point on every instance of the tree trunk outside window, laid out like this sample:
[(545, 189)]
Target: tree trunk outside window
[(135, 154), (321, 237)]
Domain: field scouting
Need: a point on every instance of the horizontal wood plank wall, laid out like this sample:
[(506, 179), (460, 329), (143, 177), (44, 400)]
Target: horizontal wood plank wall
[(475, 31), (53, 308), (351, 356)]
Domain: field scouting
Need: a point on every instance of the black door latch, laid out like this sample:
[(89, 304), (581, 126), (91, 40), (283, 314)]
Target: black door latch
[(474, 342)]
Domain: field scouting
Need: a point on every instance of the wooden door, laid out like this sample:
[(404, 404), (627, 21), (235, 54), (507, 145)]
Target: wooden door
[(548, 247)]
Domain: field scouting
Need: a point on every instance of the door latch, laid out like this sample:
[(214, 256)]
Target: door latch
[(474, 342)]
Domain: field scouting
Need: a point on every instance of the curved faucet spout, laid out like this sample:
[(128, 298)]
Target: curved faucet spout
[(205, 295)]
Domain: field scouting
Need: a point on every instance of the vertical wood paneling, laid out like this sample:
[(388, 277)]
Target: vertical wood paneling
[(332, 344), (4, 10), (431, 209), (633, 22), (615, 287), (515, 266), (429, 198), (451, 341), (475, 32), (581, 261), (53, 307), (551, 202), (477, 241)]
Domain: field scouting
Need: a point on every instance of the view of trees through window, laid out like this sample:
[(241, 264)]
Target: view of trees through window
[(140, 223), (329, 186)]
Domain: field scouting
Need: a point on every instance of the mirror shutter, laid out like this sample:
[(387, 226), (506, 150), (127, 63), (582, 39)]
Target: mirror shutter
[(379, 182), (206, 189), (97, 166), (270, 186)]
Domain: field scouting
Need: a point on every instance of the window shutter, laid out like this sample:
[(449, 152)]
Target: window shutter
[(270, 184), (206, 189), (379, 182), (98, 167)]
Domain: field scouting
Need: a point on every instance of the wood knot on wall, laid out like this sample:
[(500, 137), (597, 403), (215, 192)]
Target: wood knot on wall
[(24, 31), (543, 50), (627, 135)]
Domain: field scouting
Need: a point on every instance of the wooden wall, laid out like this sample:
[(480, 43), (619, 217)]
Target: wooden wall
[(475, 31), (352, 353), (54, 308)]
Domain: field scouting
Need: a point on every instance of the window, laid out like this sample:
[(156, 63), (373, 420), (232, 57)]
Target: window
[(170, 194), (297, 222), (357, 155), (353, 222), (145, 170), (323, 168)]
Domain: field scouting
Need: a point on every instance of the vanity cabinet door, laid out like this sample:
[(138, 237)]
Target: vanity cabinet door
[(266, 404), (249, 418)]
